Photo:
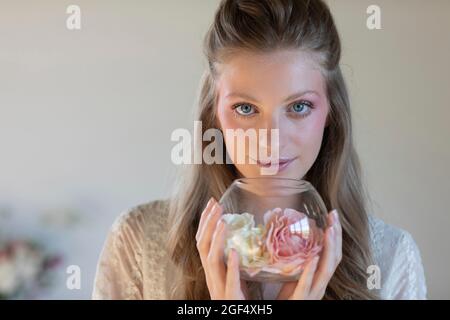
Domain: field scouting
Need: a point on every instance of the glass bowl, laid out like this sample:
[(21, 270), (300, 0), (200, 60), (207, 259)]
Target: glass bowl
[(275, 224)]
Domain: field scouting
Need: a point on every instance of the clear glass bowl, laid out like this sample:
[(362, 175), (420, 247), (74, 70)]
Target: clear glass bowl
[(275, 224)]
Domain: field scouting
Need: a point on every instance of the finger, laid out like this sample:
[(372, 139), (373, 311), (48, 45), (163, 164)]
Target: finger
[(304, 284), (203, 217), (329, 258), (326, 265), (214, 266), (318, 280), (286, 290), (337, 232), (233, 282), (338, 227), (214, 262), (210, 224), (216, 251), (204, 241)]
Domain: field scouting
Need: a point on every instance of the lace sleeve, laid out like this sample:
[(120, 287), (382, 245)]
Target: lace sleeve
[(119, 269), (406, 278)]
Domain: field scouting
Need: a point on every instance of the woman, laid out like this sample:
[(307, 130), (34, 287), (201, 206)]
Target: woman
[(272, 65)]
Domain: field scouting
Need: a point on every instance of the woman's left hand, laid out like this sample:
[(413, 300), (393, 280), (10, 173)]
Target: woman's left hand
[(314, 280)]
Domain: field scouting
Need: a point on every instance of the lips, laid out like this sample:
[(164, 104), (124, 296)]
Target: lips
[(280, 162)]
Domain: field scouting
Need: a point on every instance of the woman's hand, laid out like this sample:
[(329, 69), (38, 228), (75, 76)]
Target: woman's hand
[(223, 283), (312, 284)]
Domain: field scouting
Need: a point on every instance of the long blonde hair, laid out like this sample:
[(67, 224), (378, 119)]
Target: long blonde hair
[(263, 26)]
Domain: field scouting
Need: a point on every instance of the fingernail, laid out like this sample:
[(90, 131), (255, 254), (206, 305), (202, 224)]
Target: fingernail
[(222, 221), (331, 232), (209, 201), (335, 214)]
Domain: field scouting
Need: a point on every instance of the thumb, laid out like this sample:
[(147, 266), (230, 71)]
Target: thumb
[(286, 290)]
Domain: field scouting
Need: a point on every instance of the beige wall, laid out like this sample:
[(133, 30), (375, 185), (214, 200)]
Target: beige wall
[(88, 114), (399, 79)]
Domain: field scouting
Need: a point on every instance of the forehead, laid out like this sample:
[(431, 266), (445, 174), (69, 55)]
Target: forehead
[(274, 73)]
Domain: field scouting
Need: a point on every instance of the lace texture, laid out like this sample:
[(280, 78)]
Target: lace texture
[(130, 264)]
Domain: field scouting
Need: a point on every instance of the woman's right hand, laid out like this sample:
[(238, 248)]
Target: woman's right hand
[(223, 282)]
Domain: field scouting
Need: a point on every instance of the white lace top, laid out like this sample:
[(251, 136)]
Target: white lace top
[(129, 265)]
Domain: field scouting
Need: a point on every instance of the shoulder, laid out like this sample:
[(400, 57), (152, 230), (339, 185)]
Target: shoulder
[(385, 236), (140, 228), (397, 255), (144, 217), (127, 266)]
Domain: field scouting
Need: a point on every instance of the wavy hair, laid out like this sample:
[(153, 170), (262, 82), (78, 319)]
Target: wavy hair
[(265, 26)]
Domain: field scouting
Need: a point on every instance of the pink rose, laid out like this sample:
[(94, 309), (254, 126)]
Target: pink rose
[(292, 239)]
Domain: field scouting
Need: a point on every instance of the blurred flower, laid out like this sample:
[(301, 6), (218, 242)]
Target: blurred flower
[(8, 279), (23, 264)]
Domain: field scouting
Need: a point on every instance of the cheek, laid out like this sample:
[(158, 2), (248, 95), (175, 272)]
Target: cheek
[(225, 118), (225, 121), (308, 136), (314, 136)]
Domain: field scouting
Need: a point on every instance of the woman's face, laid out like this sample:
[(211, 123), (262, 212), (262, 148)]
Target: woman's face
[(282, 90)]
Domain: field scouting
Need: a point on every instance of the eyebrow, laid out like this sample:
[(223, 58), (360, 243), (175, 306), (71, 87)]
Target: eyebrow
[(291, 97)]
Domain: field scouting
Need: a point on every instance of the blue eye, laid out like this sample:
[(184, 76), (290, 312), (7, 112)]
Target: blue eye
[(244, 109), (298, 106), (302, 108)]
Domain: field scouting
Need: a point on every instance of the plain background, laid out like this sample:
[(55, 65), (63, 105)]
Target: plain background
[(86, 116)]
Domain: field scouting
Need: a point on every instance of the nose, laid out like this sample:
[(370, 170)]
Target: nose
[(272, 121), (270, 139)]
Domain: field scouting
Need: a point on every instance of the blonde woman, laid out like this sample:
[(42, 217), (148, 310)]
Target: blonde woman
[(272, 64)]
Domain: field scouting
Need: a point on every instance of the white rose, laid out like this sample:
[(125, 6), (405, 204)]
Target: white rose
[(245, 238), (8, 277)]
